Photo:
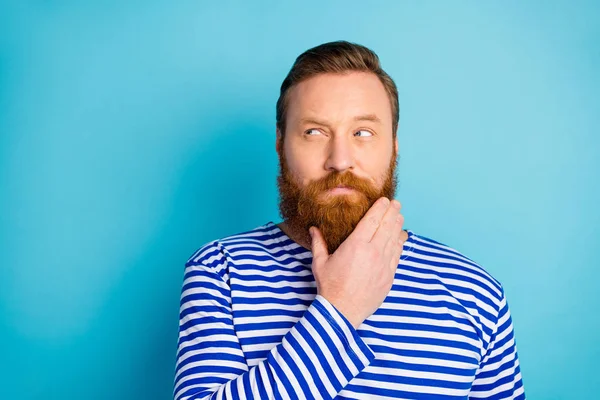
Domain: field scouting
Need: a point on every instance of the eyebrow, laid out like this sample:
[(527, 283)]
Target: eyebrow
[(366, 117)]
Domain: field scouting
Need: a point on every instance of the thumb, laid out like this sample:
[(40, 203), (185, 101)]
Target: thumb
[(318, 245)]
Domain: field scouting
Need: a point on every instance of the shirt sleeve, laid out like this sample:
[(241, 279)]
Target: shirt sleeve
[(316, 359), (499, 373)]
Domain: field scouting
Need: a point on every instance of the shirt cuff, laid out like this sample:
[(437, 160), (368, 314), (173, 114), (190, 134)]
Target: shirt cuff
[(359, 352)]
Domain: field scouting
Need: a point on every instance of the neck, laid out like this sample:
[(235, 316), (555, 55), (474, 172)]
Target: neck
[(297, 235)]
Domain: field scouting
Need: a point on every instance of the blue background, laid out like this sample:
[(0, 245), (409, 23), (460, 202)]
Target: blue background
[(133, 132)]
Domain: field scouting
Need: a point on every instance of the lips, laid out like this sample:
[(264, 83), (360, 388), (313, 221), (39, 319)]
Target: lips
[(341, 189)]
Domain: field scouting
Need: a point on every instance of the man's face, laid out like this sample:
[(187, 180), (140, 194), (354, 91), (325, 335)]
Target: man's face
[(338, 133)]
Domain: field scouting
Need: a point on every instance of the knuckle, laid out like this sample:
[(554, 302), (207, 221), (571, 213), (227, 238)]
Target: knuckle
[(375, 253), (383, 224), (373, 221)]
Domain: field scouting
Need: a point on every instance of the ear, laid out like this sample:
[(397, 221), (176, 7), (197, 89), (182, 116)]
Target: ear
[(396, 144)]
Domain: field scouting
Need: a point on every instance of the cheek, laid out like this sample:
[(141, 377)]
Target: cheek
[(379, 171), (304, 174), (304, 167)]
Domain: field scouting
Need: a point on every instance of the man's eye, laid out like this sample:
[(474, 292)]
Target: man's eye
[(313, 132), (364, 133)]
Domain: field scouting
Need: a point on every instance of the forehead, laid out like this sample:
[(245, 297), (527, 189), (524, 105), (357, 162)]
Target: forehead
[(338, 97)]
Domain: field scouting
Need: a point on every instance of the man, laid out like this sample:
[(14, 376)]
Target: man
[(338, 301)]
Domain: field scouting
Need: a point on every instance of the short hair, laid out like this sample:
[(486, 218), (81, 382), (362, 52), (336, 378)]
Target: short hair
[(335, 57)]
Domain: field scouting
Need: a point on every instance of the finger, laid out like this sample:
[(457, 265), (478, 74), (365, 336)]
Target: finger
[(399, 247), (392, 244), (387, 224), (318, 245), (368, 225)]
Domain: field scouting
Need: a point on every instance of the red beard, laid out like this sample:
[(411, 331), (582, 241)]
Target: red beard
[(336, 216)]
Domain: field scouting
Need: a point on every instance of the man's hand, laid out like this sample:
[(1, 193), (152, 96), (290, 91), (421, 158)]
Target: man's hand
[(359, 275)]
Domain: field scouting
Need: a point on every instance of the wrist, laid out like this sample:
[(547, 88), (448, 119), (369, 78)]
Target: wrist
[(346, 310)]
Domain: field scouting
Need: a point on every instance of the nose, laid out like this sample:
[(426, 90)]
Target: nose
[(340, 155)]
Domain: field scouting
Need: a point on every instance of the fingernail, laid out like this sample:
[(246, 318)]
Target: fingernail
[(386, 201), (396, 203)]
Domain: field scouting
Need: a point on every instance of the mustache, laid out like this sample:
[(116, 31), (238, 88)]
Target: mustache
[(347, 179)]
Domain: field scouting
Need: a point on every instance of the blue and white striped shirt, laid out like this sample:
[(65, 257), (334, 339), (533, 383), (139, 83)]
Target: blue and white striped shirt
[(253, 326)]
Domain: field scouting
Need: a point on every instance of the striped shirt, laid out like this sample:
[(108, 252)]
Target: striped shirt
[(253, 326)]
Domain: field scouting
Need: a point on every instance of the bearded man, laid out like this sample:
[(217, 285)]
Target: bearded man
[(338, 301)]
